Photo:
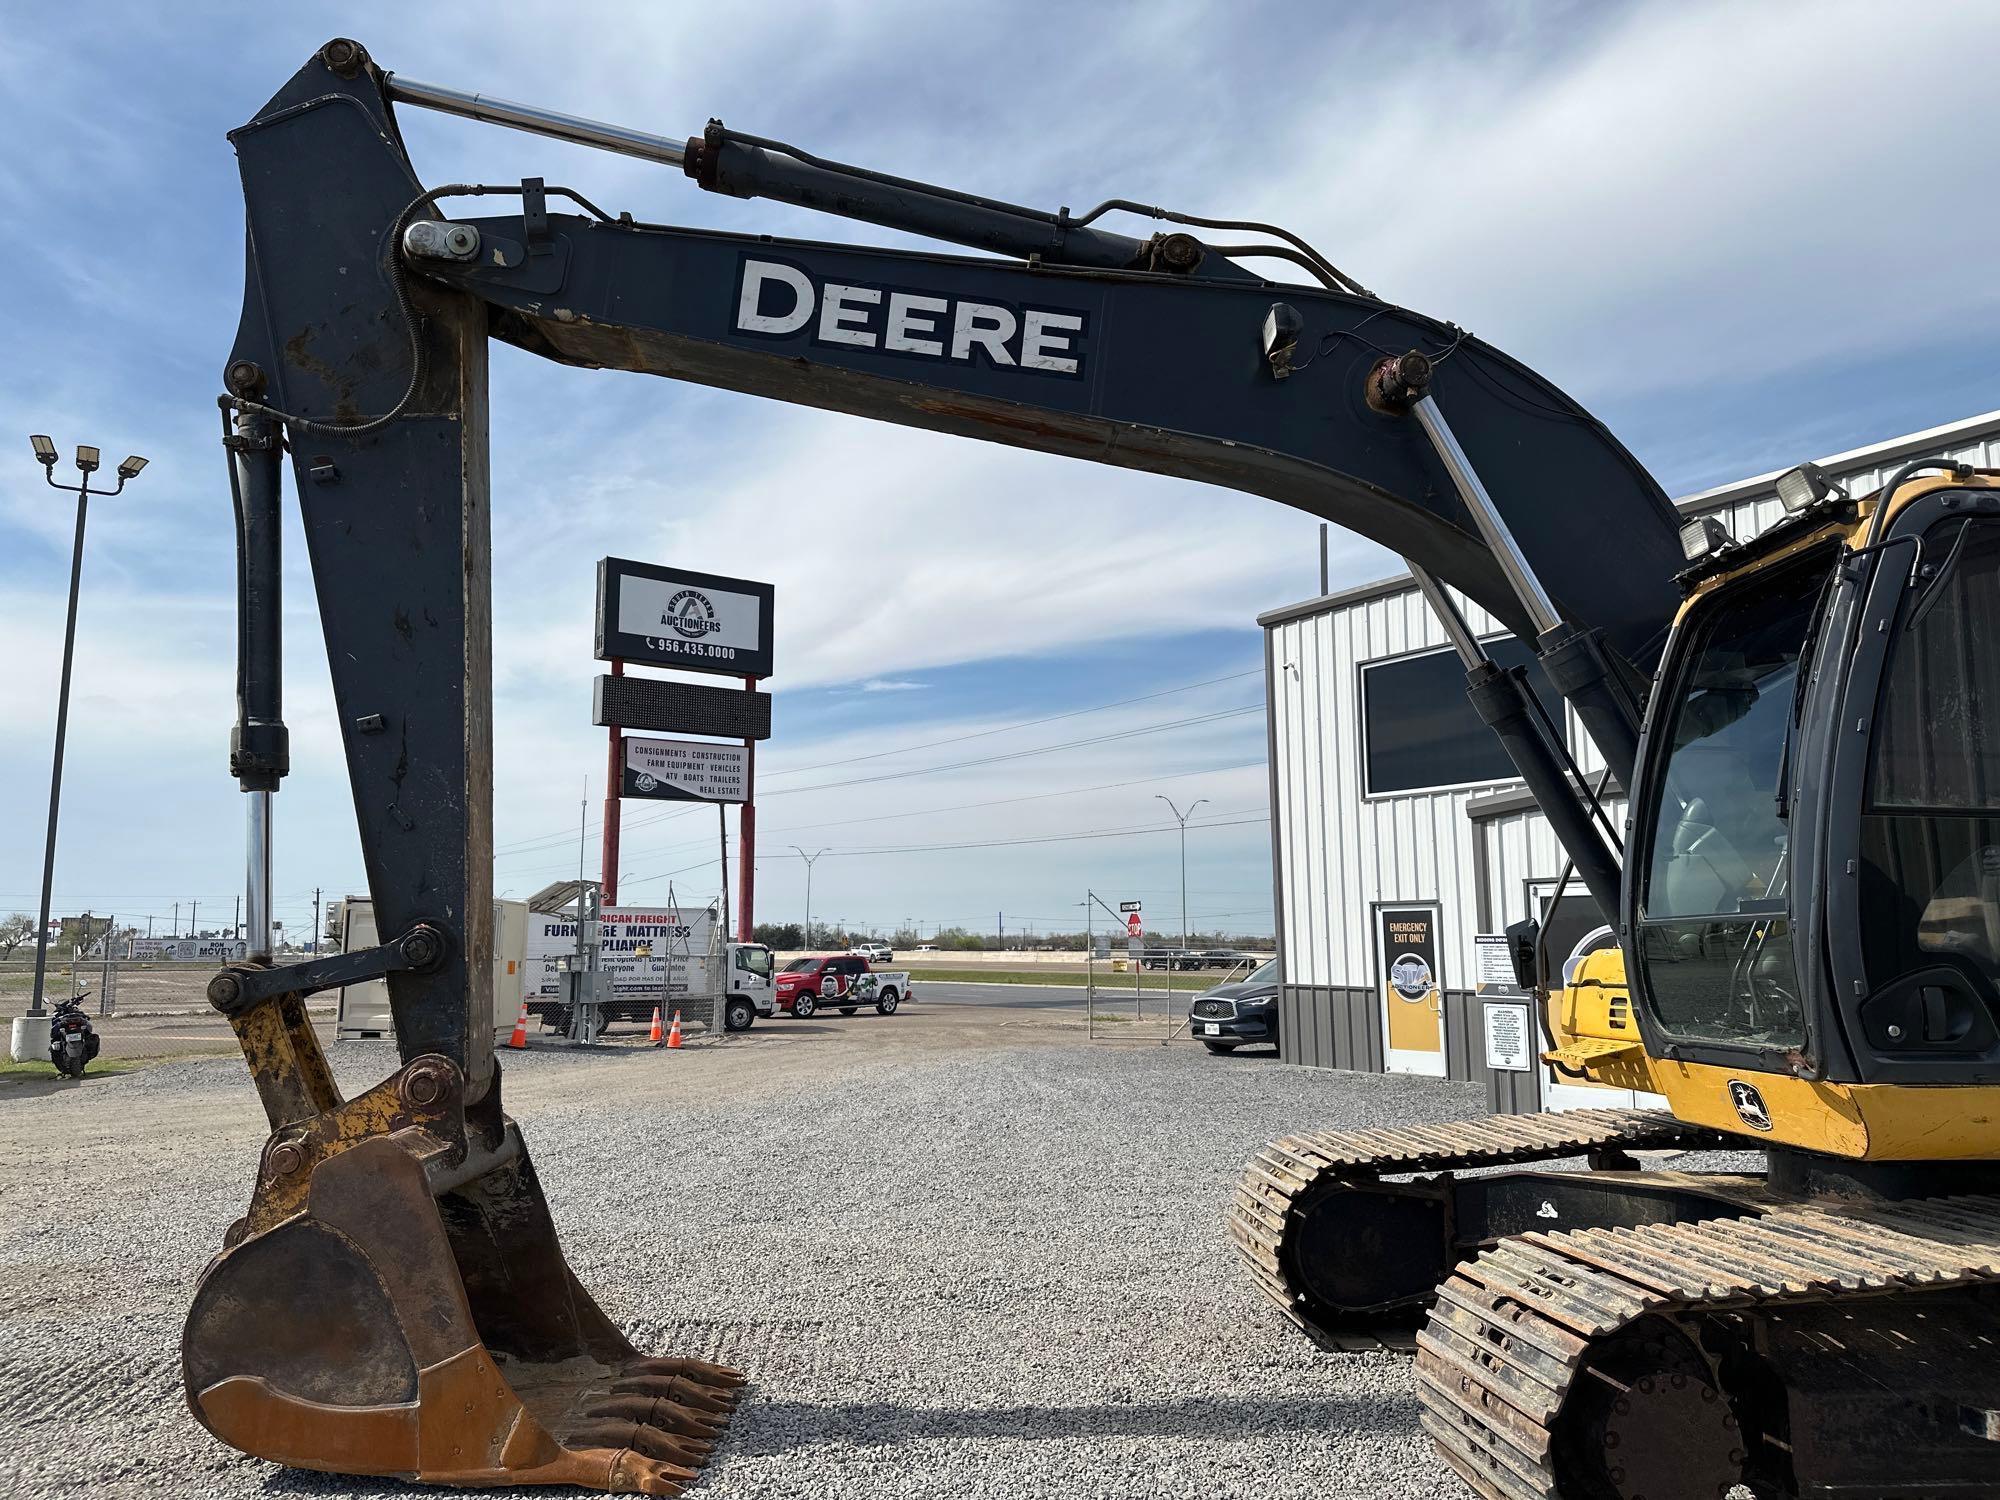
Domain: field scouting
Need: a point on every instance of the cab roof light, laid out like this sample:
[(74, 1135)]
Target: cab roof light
[(1804, 487), (1702, 537)]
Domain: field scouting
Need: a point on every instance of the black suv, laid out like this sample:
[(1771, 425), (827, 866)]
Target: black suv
[(1237, 1015)]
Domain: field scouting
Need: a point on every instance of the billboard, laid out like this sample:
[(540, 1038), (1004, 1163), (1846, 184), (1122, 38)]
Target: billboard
[(671, 617), (675, 940), (187, 950), (686, 770)]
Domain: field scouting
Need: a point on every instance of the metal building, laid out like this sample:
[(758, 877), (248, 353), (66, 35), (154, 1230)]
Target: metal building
[(1399, 832)]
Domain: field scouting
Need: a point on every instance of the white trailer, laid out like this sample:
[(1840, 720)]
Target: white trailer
[(364, 1007)]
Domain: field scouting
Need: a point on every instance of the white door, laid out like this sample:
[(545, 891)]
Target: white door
[(1409, 982)]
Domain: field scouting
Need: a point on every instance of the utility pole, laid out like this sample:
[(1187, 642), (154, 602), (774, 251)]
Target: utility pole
[(315, 942), (722, 843), (1182, 818), (177, 919), (236, 918), (149, 926), (808, 858), (194, 926), (1000, 918), (87, 464)]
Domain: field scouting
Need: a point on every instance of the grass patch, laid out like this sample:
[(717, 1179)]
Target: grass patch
[(41, 1068), (1154, 981)]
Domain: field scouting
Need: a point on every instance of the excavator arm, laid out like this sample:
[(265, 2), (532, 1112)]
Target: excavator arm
[(458, 1346)]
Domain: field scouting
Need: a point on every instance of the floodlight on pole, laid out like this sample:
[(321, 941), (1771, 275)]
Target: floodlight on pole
[(87, 460)]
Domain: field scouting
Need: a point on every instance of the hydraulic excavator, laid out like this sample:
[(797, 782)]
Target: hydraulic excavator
[(1806, 913)]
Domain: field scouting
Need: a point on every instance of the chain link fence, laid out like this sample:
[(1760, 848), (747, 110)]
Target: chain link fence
[(116, 986)]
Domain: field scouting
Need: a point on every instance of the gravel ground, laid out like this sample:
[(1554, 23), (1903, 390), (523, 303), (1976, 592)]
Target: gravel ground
[(957, 1256)]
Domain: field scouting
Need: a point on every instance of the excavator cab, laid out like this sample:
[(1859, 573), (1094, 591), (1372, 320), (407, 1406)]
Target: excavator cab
[(1812, 893)]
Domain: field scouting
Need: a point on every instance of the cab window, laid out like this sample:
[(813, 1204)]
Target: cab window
[(1715, 937), (1930, 839), (754, 960)]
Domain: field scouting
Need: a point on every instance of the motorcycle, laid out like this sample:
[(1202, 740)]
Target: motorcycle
[(73, 1041)]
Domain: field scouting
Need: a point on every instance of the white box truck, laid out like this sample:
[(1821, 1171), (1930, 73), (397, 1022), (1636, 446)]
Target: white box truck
[(675, 958), (364, 1007)]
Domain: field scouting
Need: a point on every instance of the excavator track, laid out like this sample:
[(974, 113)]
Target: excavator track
[(1812, 1350), (1289, 1185)]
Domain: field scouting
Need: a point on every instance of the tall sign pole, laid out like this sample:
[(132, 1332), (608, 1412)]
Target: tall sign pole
[(746, 839), (614, 802)]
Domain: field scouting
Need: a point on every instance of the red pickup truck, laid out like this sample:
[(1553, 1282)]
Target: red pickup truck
[(842, 980)]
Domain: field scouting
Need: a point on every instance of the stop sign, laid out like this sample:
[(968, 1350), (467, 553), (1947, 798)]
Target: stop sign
[(1132, 924)]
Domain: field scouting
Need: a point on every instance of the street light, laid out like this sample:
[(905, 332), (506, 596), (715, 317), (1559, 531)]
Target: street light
[(808, 858), (86, 463), (1181, 818)]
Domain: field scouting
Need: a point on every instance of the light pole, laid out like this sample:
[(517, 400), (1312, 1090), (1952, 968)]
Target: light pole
[(808, 858), (87, 464), (1181, 818)]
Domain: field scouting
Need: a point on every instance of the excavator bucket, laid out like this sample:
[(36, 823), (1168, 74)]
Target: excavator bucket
[(396, 1303)]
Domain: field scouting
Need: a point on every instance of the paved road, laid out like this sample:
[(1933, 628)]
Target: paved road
[(1006, 996)]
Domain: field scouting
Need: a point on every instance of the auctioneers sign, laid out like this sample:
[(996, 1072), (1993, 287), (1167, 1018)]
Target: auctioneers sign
[(686, 770), (670, 617)]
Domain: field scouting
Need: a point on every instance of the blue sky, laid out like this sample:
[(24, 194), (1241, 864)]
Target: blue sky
[(1741, 235)]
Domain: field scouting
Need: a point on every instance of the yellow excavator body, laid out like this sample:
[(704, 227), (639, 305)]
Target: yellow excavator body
[(1596, 1043), (1690, 1328)]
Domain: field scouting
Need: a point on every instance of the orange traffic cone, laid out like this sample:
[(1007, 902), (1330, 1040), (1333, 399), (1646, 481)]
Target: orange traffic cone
[(519, 1040), (674, 1036), (654, 1035)]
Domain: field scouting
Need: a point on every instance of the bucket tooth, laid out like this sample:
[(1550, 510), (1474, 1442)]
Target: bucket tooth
[(375, 1314)]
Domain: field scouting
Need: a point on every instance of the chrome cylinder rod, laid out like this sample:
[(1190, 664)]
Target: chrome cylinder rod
[(536, 120), (1456, 629), (1486, 516), (257, 877)]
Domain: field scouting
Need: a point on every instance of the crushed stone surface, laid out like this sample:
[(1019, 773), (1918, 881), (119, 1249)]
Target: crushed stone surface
[(958, 1255)]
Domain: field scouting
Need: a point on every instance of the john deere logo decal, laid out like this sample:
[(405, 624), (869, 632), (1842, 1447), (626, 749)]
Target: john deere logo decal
[(1410, 976), (690, 615), (1749, 1104)]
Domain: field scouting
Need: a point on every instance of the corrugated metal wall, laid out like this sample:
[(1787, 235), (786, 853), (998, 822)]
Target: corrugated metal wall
[(1337, 853)]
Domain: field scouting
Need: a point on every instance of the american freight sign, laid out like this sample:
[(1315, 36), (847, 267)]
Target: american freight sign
[(670, 617), (686, 770)]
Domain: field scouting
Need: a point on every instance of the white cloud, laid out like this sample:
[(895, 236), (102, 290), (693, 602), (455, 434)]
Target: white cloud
[(892, 685)]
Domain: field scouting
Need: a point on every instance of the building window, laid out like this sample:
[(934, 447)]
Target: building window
[(1419, 731)]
